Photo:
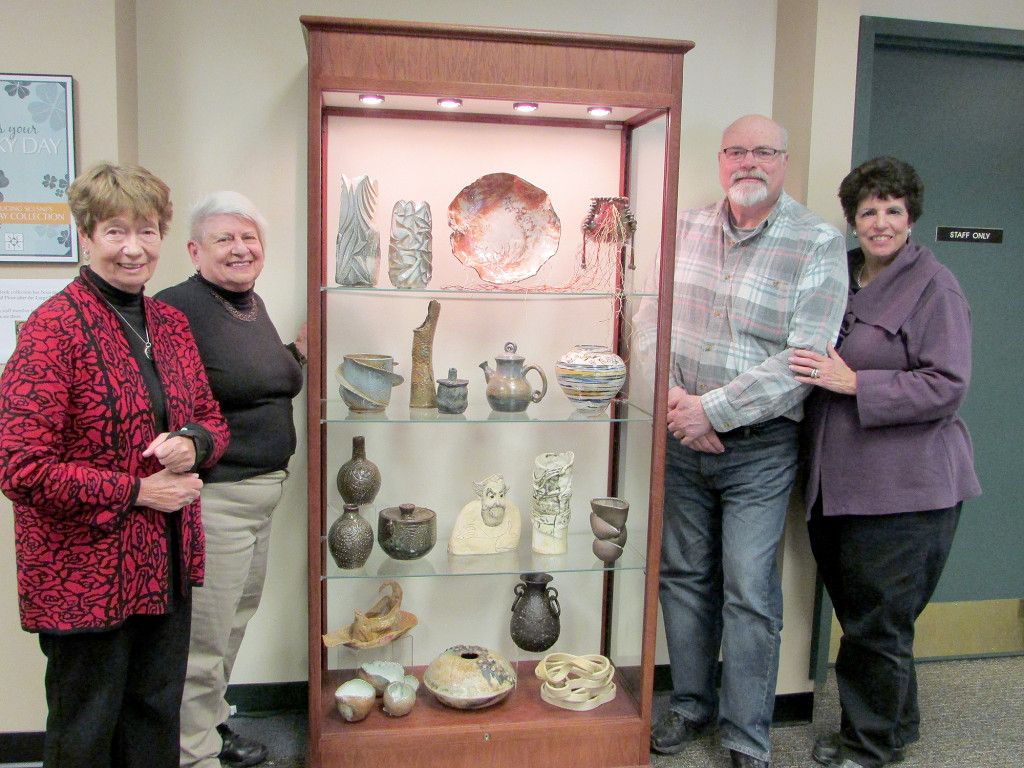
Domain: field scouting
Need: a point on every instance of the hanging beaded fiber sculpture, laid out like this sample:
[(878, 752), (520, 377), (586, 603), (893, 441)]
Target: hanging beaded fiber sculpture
[(608, 227)]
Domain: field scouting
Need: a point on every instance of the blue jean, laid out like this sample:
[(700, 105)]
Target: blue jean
[(720, 588)]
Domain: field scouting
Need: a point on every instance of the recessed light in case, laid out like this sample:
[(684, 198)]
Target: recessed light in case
[(371, 98), (449, 103), (524, 106), (599, 111)]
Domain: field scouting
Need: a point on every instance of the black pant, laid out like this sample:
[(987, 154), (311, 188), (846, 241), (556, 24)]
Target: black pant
[(114, 696), (880, 572)]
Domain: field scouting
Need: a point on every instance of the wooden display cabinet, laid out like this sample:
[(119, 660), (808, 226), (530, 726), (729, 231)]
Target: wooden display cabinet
[(419, 151)]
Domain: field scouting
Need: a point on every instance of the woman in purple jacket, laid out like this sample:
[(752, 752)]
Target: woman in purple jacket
[(890, 461)]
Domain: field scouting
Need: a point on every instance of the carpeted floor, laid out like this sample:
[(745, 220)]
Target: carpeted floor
[(972, 717)]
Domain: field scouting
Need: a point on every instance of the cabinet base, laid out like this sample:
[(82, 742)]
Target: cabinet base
[(521, 730)]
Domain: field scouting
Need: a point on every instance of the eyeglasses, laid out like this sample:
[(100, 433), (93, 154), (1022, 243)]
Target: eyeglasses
[(761, 154)]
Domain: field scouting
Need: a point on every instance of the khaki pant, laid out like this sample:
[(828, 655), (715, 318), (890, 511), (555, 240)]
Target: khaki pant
[(236, 520)]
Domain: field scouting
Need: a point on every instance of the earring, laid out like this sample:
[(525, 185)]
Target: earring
[(909, 230)]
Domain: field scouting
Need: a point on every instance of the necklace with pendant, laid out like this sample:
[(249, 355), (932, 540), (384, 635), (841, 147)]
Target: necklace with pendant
[(246, 316), (148, 349)]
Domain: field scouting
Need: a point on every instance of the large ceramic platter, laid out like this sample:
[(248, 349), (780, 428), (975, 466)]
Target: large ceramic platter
[(503, 227)]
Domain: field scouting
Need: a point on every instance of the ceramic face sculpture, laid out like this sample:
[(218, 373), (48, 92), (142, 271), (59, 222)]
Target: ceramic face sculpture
[(489, 524)]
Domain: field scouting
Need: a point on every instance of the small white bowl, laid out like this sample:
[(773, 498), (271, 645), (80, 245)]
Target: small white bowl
[(355, 699)]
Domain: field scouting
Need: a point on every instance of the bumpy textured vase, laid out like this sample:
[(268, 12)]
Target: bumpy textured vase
[(357, 249), (350, 539), (590, 375), (358, 478), (552, 490), (535, 624), (422, 393), (409, 252)]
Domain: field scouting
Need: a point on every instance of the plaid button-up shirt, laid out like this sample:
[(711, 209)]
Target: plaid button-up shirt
[(742, 300)]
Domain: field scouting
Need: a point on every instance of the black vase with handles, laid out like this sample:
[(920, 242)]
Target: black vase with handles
[(535, 623)]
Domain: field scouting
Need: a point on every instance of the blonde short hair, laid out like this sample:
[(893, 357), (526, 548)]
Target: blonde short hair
[(106, 190)]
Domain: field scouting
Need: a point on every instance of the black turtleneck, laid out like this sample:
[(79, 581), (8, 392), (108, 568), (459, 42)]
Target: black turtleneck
[(252, 374), (133, 318)]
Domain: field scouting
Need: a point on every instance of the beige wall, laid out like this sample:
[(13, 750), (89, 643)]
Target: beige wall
[(220, 95)]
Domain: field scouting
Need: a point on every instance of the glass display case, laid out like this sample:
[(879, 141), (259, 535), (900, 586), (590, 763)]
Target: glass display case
[(512, 252)]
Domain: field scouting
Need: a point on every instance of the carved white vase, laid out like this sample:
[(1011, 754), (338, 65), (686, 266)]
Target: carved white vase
[(409, 253), (552, 490), (357, 248)]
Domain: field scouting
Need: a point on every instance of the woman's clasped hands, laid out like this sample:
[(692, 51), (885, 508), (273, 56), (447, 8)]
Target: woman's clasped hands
[(173, 487)]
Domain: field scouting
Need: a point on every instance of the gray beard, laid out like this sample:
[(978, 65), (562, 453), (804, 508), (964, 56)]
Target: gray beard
[(747, 195), (493, 515)]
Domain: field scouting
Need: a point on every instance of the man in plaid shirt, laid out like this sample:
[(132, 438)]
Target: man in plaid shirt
[(756, 275)]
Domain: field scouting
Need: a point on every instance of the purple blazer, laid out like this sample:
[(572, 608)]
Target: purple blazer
[(898, 445)]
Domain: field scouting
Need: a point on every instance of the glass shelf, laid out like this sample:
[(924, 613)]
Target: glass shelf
[(538, 292), (437, 562), (552, 409)]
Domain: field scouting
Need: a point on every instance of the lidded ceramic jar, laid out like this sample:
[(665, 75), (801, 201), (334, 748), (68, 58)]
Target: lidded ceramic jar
[(452, 393), (407, 532)]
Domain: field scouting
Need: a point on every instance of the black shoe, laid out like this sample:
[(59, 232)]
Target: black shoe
[(238, 751), (826, 751), (743, 760), (673, 732)]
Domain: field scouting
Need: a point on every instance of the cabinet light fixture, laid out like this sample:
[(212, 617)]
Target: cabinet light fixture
[(371, 98), (599, 111), (525, 106), (449, 103)]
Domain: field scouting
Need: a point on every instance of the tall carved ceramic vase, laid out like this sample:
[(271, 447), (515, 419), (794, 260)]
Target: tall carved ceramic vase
[(409, 252), (552, 491), (357, 249), (358, 478), (350, 539), (421, 392), (535, 623)]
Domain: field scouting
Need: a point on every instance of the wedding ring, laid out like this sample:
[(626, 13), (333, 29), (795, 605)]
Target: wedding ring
[(815, 373)]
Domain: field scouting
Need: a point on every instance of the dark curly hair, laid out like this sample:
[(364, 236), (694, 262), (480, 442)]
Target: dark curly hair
[(884, 177)]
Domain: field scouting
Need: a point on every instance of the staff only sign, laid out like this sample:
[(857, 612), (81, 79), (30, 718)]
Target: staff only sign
[(37, 162), (968, 235)]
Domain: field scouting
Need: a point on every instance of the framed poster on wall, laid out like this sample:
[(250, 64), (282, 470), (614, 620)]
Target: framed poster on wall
[(37, 162)]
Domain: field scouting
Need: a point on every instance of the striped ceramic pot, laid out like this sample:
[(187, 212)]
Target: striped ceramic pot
[(590, 375)]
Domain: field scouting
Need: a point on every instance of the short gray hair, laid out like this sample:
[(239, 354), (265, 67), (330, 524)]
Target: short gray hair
[(226, 203)]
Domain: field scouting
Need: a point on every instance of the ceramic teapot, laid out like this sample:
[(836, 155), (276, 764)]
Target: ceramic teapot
[(507, 388)]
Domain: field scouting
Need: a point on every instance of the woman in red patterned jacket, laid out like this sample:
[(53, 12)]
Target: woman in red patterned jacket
[(105, 416)]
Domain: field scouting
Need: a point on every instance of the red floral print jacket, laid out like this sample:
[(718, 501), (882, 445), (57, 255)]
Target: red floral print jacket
[(75, 417)]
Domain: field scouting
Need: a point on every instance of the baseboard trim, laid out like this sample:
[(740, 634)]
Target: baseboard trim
[(263, 698), (790, 708), (249, 699), (21, 747)]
